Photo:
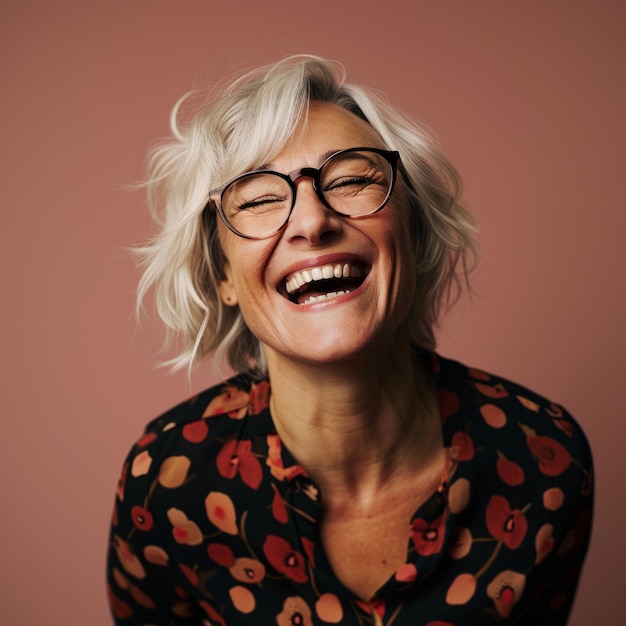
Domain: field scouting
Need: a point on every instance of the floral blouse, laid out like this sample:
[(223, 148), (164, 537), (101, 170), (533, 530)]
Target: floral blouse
[(215, 523)]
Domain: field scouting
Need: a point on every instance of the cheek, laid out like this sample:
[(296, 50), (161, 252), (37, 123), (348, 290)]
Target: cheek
[(226, 240), (401, 237), (246, 261), (400, 232)]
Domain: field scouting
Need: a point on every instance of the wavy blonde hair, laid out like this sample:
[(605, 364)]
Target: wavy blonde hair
[(249, 123)]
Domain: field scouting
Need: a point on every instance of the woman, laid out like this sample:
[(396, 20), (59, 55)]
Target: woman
[(311, 235)]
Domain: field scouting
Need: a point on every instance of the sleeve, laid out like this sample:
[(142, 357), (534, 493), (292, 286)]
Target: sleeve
[(144, 585), (553, 584)]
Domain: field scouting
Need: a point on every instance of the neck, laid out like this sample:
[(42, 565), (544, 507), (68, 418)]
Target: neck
[(372, 418)]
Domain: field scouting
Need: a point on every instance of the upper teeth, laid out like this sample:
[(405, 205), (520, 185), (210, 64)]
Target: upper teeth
[(337, 270)]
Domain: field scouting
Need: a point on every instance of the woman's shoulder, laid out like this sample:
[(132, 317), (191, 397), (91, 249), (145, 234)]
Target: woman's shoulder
[(501, 403), (520, 474), (229, 398), (158, 496), (182, 435), (525, 434), (508, 432)]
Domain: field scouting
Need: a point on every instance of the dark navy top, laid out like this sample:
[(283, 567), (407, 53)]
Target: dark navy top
[(216, 523)]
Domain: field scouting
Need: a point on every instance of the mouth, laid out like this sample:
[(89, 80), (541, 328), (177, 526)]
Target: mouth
[(315, 284)]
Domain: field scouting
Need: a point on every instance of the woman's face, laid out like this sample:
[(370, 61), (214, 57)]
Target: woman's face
[(328, 320)]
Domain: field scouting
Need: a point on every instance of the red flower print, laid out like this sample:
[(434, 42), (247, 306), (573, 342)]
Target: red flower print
[(478, 374), (121, 610), (121, 483), (120, 580), (544, 542), (127, 558), (309, 549), (493, 415), (141, 598), (529, 404), (406, 573), (506, 524), (195, 431), (505, 590), (221, 512), (448, 403), (141, 464), (146, 440), (173, 471), (247, 570), (509, 472), (259, 397), (190, 575), (428, 538), (221, 554), (232, 401), (310, 490), (461, 590), (215, 619), (554, 410), (492, 391), (553, 499), (184, 530), (156, 555), (553, 458), (295, 612), (328, 608), (142, 518), (236, 457), (279, 510), (462, 448), (460, 542), (242, 598), (566, 427), (376, 606), (459, 495), (275, 461), (284, 559)]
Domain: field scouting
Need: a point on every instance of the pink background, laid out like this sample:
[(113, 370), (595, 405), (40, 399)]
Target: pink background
[(527, 98)]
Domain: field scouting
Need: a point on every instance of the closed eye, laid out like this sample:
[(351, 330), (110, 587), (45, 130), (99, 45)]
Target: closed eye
[(356, 180), (261, 204), (356, 183)]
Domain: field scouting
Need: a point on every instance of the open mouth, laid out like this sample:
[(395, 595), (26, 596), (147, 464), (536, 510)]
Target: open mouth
[(315, 284)]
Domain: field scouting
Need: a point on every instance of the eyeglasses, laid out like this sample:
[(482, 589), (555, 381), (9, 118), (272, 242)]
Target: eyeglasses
[(353, 183)]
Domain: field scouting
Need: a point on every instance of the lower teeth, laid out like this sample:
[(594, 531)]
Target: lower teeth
[(325, 296)]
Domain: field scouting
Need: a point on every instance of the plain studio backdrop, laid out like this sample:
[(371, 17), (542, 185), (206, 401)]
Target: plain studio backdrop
[(527, 99)]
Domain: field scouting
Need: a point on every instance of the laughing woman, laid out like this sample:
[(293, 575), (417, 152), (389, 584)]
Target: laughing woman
[(311, 236)]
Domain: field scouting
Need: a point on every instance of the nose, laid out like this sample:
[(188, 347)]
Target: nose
[(311, 220)]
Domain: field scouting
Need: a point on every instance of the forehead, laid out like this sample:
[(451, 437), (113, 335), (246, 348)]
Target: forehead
[(325, 129)]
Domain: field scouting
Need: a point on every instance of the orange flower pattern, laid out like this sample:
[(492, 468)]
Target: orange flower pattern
[(215, 522)]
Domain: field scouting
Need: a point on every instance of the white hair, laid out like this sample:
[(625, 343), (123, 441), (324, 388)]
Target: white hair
[(248, 125)]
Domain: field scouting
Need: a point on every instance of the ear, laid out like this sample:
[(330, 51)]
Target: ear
[(227, 287)]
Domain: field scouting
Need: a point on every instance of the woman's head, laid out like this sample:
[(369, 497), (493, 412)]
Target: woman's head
[(245, 128)]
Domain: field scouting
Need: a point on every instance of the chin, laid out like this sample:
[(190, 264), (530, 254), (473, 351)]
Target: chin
[(340, 350)]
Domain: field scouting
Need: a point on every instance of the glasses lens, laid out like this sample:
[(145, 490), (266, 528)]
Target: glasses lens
[(356, 182), (257, 205)]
